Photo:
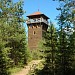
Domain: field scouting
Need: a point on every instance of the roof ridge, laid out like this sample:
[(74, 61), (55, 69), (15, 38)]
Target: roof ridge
[(36, 13)]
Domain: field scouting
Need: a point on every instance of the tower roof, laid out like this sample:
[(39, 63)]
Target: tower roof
[(37, 14)]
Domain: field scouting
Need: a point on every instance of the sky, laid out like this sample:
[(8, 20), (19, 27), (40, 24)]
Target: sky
[(47, 7)]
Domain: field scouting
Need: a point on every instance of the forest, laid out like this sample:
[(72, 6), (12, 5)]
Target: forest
[(57, 49)]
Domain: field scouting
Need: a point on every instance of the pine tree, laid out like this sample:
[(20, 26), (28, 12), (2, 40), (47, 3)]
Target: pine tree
[(4, 50), (3, 59), (50, 50), (17, 37), (13, 31), (13, 42), (66, 51)]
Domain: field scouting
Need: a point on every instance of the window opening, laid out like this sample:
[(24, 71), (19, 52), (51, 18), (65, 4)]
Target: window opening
[(34, 32)]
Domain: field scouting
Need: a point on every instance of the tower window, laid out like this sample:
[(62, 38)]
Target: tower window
[(34, 32)]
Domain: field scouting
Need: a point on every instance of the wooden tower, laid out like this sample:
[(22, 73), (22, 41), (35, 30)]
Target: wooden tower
[(37, 23)]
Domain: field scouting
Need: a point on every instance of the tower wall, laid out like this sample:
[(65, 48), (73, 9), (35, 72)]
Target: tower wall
[(34, 36)]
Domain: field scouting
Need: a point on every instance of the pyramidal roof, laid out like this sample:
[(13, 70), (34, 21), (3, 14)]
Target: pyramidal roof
[(35, 13)]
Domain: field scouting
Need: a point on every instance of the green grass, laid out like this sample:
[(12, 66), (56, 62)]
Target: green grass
[(14, 70)]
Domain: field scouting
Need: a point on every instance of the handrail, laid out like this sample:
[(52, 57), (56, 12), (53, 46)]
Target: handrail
[(36, 21)]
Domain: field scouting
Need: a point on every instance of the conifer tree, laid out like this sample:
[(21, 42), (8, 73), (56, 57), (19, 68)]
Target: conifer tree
[(13, 31), (17, 37), (3, 59), (66, 51), (50, 50), (4, 50)]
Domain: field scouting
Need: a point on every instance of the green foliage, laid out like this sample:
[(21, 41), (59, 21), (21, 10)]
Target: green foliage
[(3, 59), (36, 69), (66, 44), (50, 50), (15, 70), (28, 56), (35, 54), (13, 41)]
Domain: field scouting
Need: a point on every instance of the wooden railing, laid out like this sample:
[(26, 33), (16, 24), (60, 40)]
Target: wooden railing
[(36, 21)]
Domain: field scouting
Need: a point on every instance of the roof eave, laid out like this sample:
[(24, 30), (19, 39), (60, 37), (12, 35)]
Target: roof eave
[(38, 15)]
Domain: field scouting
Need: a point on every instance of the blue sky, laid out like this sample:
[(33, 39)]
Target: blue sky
[(47, 7)]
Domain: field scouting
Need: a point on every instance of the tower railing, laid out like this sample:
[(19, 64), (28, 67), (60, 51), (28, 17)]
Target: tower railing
[(38, 20)]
